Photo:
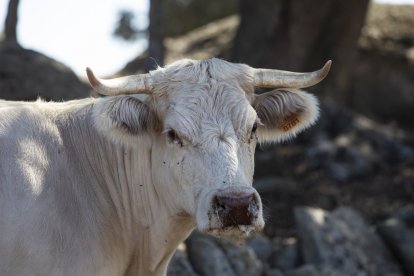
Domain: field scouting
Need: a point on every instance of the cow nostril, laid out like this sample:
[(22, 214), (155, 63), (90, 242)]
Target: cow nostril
[(219, 206), (253, 208)]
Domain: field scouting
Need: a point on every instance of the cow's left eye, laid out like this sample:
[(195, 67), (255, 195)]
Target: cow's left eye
[(254, 128), (174, 138), (253, 132)]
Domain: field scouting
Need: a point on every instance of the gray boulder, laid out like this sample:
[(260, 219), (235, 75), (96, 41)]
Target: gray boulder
[(28, 75), (400, 238), (312, 270), (286, 257), (180, 266), (273, 272), (207, 257), (342, 240), (261, 246), (241, 258)]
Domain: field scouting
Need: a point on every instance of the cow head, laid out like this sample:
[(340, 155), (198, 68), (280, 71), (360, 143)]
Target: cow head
[(204, 121)]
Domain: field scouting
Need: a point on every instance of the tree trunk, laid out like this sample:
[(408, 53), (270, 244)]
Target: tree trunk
[(156, 49), (11, 21), (300, 35)]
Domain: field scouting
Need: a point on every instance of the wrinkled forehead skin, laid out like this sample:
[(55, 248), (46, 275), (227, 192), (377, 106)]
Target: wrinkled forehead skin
[(189, 94)]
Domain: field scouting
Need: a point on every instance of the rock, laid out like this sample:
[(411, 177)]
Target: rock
[(28, 75), (342, 240), (268, 184), (242, 259), (344, 158), (273, 272), (400, 239), (311, 270), (287, 257), (261, 246), (207, 257), (212, 256), (180, 266), (406, 215), (306, 270)]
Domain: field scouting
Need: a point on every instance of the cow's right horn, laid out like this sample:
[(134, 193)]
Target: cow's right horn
[(137, 84), (268, 78)]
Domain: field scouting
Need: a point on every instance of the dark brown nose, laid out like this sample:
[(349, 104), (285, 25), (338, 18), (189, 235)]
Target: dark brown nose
[(236, 208)]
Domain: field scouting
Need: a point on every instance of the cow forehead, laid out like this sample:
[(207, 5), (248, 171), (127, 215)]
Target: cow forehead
[(216, 104), (211, 97), (200, 71), (210, 92)]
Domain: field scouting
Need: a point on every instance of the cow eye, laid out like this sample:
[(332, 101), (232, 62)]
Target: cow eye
[(254, 129), (174, 138)]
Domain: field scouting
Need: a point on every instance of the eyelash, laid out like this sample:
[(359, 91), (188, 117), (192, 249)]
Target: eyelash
[(174, 138), (254, 130)]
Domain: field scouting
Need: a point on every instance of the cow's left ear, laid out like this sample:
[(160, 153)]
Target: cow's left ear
[(125, 117), (284, 113)]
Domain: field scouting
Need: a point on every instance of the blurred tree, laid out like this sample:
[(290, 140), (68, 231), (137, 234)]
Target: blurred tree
[(300, 35), (171, 18), (10, 28), (125, 28), (156, 29), (183, 16)]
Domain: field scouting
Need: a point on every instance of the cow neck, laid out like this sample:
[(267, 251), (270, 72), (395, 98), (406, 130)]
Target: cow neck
[(132, 214), (160, 229)]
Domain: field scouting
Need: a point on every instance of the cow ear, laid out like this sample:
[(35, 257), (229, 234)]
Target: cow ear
[(284, 113), (123, 117)]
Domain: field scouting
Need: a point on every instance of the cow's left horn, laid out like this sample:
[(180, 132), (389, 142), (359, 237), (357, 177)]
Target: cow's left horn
[(138, 84), (268, 78)]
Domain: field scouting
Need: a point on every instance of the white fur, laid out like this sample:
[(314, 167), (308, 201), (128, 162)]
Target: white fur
[(305, 104), (81, 196)]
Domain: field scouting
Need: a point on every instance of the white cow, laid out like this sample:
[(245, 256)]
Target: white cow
[(111, 186)]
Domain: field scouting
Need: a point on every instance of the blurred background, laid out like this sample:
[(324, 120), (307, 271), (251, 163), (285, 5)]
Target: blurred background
[(339, 198)]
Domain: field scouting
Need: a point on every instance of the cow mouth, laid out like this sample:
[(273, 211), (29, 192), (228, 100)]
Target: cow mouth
[(236, 231)]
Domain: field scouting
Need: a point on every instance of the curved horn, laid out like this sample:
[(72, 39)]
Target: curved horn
[(268, 78), (138, 84)]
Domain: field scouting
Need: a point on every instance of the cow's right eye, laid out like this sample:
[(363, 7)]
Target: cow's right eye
[(174, 138), (253, 132)]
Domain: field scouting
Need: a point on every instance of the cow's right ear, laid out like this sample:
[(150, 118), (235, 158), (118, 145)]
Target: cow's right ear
[(284, 113), (125, 116)]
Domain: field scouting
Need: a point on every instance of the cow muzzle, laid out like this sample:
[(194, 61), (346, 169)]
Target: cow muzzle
[(234, 212), (235, 208)]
